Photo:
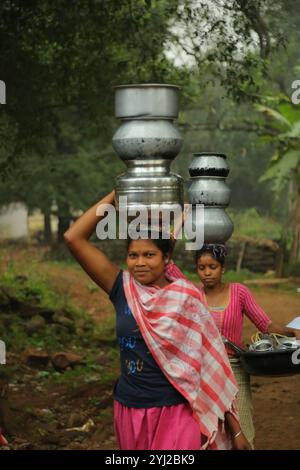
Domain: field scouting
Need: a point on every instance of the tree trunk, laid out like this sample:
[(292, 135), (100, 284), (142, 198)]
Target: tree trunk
[(63, 212), (241, 257), (5, 413), (295, 250), (47, 228), (64, 220), (63, 225), (279, 262)]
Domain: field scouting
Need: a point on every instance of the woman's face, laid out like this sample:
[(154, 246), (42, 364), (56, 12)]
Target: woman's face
[(145, 261), (209, 270)]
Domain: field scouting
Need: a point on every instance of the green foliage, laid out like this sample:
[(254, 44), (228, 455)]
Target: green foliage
[(73, 56), (32, 289), (279, 119), (284, 164), (229, 276), (60, 65), (291, 113), (251, 223), (55, 57), (293, 269), (281, 170), (243, 275), (229, 41)]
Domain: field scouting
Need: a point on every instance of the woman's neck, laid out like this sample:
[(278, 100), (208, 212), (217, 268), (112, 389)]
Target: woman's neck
[(214, 289), (162, 281)]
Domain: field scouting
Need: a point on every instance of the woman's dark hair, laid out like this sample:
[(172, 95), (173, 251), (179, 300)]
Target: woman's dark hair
[(165, 245), (218, 252)]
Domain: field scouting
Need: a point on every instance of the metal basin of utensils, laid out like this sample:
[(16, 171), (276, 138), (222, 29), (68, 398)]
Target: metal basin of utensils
[(275, 362)]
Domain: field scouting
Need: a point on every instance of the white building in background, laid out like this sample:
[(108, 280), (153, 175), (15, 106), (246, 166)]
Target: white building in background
[(2, 352), (2, 92), (14, 221)]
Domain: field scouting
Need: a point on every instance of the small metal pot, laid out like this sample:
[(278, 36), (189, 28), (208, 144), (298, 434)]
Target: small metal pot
[(209, 163), (218, 226), (147, 101), (262, 346), (288, 343), (209, 190)]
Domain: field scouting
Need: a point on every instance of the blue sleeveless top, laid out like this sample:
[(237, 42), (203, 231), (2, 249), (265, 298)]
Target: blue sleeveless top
[(141, 384)]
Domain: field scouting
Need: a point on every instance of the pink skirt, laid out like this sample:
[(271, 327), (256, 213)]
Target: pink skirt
[(160, 428)]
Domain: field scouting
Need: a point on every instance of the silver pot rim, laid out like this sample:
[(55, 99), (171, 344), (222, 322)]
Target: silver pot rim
[(147, 85), (210, 154), (214, 206)]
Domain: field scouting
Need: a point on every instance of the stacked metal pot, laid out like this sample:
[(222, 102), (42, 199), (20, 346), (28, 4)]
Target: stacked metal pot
[(208, 172), (147, 141)]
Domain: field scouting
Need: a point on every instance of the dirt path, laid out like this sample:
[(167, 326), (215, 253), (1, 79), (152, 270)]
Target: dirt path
[(276, 400)]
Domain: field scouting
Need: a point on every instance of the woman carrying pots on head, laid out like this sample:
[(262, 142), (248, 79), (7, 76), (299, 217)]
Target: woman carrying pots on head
[(176, 390), (228, 303)]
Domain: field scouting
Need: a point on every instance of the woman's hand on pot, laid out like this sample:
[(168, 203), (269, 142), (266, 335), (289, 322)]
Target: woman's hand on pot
[(116, 201)]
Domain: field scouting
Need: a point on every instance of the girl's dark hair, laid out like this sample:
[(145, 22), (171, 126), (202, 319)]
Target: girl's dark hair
[(218, 252), (165, 245)]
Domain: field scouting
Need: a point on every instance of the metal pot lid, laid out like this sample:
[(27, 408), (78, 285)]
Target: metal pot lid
[(147, 85), (209, 154), (208, 163)]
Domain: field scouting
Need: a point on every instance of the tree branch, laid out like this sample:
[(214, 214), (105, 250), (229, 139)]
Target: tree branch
[(245, 127)]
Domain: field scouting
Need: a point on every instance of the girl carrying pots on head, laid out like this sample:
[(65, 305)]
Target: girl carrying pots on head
[(228, 303), (176, 390)]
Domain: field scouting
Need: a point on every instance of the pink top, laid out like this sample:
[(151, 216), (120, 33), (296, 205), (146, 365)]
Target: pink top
[(230, 320)]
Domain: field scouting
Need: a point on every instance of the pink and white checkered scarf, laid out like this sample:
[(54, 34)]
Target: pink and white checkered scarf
[(185, 342), (3, 441)]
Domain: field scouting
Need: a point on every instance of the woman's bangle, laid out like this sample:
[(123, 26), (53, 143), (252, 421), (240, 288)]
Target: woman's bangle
[(237, 434)]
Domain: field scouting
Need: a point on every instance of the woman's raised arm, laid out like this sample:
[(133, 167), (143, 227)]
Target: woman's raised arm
[(95, 263)]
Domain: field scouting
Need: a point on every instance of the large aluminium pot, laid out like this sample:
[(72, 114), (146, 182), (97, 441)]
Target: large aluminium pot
[(147, 141), (271, 363), (151, 183)]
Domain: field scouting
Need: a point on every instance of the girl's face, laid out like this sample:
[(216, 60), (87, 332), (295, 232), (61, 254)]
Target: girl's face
[(146, 262), (209, 270)]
